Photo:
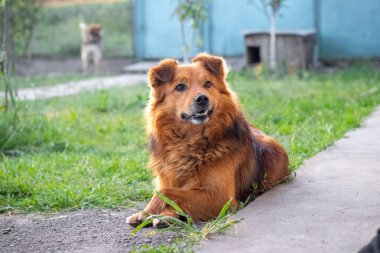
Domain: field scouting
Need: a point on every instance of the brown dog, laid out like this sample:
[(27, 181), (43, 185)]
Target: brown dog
[(202, 149)]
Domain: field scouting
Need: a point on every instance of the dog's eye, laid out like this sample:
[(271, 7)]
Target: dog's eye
[(207, 84), (180, 87)]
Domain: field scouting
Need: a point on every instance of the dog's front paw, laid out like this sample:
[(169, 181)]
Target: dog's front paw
[(165, 219), (161, 222), (136, 219)]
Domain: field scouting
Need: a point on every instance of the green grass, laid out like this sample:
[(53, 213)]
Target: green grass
[(38, 81), (57, 32), (91, 150), (78, 152)]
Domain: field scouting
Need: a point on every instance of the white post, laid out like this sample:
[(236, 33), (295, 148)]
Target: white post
[(272, 41), (185, 47)]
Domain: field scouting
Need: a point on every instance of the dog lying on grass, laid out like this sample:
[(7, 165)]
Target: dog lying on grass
[(91, 46), (202, 150)]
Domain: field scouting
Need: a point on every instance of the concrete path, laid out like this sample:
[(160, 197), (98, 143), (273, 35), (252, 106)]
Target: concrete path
[(333, 205), (72, 88)]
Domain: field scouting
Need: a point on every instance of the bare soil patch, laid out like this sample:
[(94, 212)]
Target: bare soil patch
[(93, 230)]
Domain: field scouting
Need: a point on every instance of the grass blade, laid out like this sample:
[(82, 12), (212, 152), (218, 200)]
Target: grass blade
[(171, 203), (142, 225), (225, 208), (172, 221)]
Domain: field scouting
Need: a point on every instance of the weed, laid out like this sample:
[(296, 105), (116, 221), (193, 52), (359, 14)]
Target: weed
[(190, 231)]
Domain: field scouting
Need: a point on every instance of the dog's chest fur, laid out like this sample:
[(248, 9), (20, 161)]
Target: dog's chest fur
[(180, 156)]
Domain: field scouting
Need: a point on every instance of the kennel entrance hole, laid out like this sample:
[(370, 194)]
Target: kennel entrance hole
[(254, 56)]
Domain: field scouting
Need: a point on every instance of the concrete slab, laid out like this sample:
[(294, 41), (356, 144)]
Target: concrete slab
[(333, 205)]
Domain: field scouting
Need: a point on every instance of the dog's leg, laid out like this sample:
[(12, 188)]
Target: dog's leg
[(97, 60), (199, 205), (275, 161), (84, 58), (97, 67)]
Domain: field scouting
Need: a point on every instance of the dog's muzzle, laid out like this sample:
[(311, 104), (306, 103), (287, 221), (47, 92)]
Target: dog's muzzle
[(200, 111)]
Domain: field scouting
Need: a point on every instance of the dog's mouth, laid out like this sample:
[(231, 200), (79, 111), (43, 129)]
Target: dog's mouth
[(197, 118)]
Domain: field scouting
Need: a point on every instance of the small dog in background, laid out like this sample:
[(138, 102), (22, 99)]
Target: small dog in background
[(91, 46)]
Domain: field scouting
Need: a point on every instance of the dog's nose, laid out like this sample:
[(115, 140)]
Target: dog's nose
[(201, 100)]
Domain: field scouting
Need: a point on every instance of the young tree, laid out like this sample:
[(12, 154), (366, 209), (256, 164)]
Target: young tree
[(195, 12), (18, 19), (22, 19), (5, 56), (270, 9)]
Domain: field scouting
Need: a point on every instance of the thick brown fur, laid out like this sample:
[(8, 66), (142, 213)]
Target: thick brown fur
[(201, 166)]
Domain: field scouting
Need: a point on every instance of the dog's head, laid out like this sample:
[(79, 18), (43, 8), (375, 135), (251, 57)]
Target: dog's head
[(193, 94), (89, 31), (95, 29)]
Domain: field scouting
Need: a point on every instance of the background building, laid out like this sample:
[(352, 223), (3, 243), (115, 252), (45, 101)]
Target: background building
[(347, 29)]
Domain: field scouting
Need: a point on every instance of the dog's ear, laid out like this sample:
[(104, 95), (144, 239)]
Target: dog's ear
[(162, 73), (213, 64)]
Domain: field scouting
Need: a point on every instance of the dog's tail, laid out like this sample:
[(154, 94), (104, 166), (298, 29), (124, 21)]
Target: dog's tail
[(82, 26)]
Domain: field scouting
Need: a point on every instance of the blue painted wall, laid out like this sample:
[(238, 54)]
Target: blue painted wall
[(229, 19), (348, 28)]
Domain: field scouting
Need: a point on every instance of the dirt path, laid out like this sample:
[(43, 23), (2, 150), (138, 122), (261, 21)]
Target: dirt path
[(53, 67), (72, 88), (93, 230)]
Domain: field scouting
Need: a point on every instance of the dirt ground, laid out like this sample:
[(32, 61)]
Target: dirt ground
[(72, 66), (93, 230)]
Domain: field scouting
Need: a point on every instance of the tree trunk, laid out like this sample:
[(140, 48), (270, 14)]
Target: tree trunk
[(27, 49), (185, 48), (8, 92), (5, 55), (272, 41)]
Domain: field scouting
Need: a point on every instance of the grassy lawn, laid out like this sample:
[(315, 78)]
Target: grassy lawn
[(57, 32), (91, 150)]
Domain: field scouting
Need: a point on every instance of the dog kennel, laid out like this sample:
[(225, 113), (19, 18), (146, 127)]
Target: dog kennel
[(294, 49)]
